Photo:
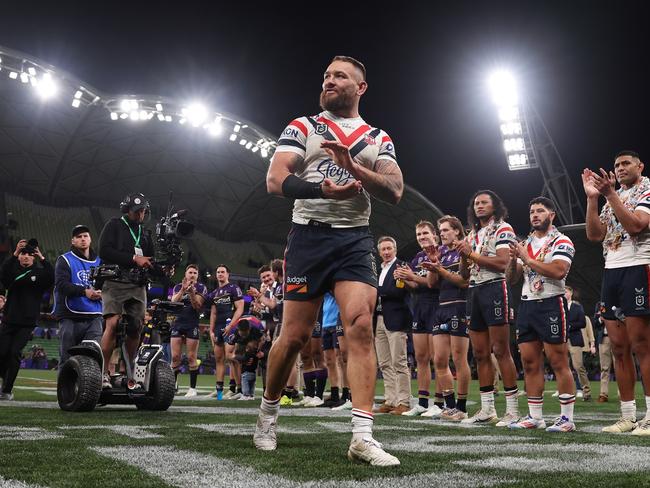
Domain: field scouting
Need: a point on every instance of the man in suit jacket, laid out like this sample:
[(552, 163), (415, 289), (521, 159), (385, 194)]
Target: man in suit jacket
[(393, 320), (577, 323)]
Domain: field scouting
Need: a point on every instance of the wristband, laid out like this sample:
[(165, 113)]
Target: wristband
[(294, 187)]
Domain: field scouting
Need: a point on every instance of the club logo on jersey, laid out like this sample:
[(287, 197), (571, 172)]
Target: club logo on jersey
[(296, 284), (369, 140), (328, 169), (321, 129), (389, 147)]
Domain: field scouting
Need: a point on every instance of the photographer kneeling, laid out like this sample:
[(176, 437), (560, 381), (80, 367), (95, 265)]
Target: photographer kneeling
[(124, 242)]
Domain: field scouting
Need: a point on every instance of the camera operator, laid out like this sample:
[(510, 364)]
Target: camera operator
[(77, 305), (26, 282), (192, 294), (124, 242)]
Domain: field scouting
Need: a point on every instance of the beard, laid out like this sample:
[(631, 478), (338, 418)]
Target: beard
[(543, 226), (334, 103)]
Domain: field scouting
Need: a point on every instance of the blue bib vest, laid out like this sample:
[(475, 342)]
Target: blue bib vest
[(80, 274)]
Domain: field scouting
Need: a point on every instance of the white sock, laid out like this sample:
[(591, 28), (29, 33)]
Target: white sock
[(628, 410), (535, 405), (512, 404), (647, 407), (361, 424), (567, 402), (270, 407), (487, 401)]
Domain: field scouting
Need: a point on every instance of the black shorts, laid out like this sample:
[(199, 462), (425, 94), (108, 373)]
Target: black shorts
[(488, 305), (317, 257), (424, 315), (543, 320), (187, 331), (451, 319), (330, 338), (627, 290), (218, 334), (317, 331)]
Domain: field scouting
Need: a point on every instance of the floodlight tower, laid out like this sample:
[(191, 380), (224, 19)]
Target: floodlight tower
[(528, 144)]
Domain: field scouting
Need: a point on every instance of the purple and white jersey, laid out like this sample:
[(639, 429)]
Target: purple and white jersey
[(303, 136), (188, 316), (450, 260), (423, 292), (224, 299)]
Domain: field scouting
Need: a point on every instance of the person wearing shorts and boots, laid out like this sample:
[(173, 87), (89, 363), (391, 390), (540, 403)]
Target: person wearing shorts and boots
[(330, 164), (124, 242)]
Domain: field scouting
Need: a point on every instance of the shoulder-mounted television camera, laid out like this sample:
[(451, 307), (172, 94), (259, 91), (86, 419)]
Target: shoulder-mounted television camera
[(171, 229)]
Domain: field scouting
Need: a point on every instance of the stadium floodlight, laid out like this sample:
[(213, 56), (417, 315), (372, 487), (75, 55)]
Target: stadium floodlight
[(114, 116), (134, 115), (504, 88), (144, 115), (255, 149), (159, 107), (168, 118), (46, 86), (24, 77), (196, 114), (237, 128), (76, 102), (78, 94), (249, 145), (124, 115), (242, 142), (233, 137), (264, 153), (505, 94), (13, 75), (31, 71), (161, 117)]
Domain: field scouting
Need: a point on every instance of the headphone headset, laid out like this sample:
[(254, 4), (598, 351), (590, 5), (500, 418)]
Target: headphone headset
[(131, 200)]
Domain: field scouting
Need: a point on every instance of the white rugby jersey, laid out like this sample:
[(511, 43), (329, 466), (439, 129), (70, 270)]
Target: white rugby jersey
[(619, 248), (367, 144), (547, 249), (486, 242)]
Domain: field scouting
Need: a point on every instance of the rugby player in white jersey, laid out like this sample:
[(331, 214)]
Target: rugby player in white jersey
[(330, 164), (484, 257), (622, 226), (544, 260)]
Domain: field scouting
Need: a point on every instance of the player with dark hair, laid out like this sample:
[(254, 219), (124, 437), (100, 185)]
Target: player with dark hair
[(622, 226), (227, 304), (544, 260), (484, 257)]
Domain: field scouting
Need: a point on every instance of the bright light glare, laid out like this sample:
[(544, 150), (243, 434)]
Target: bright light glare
[(46, 87), (195, 114), (516, 144), (504, 88), (510, 129), (76, 102), (264, 153), (515, 160), (509, 113), (24, 77), (233, 137), (114, 116), (13, 75)]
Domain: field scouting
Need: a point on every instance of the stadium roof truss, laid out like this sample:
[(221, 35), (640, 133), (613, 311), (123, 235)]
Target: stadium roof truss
[(64, 142)]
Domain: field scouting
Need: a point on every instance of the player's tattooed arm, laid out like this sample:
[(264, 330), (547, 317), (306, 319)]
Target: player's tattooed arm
[(384, 182)]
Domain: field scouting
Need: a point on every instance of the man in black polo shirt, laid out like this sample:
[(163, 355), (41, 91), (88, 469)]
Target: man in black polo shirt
[(124, 242), (26, 282)]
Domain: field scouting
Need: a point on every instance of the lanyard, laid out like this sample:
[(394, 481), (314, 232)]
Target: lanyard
[(137, 240), (16, 279)]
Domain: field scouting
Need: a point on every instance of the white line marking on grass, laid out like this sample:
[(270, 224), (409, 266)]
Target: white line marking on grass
[(584, 458), (184, 468), (133, 431), (19, 433), (346, 427), (5, 483), (247, 429), (44, 388)]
